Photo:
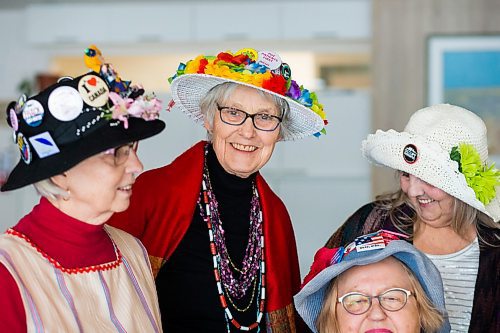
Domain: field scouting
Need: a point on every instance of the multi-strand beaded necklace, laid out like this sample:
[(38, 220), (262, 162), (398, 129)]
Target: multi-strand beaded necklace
[(235, 284)]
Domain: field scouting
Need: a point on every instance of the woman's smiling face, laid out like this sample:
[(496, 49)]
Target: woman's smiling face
[(243, 150), (434, 207), (374, 279)]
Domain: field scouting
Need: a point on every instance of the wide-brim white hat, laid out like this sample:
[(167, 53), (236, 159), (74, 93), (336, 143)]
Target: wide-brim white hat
[(424, 150), (263, 71), (189, 89)]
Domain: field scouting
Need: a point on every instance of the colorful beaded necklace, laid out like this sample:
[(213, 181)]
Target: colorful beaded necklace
[(253, 261)]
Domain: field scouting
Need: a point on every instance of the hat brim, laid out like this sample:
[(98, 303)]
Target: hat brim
[(189, 89), (432, 165), (102, 139), (309, 300)]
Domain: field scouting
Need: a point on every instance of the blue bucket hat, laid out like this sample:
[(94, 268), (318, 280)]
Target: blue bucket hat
[(309, 300)]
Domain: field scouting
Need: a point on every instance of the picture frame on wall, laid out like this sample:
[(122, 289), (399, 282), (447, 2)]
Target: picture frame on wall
[(464, 70)]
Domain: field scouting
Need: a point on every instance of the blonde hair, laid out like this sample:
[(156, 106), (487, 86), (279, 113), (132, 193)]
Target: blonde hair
[(48, 189), (221, 93), (464, 214), (431, 319)]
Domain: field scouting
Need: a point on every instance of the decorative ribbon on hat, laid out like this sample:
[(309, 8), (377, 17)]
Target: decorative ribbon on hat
[(482, 178), (261, 69), (326, 257)]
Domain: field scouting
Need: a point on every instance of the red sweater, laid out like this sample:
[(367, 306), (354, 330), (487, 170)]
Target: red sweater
[(71, 242)]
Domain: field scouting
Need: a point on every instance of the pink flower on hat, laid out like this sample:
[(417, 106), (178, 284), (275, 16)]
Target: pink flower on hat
[(120, 107), (147, 108)]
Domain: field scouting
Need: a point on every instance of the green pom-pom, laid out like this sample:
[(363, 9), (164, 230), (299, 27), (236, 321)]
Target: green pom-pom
[(481, 178)]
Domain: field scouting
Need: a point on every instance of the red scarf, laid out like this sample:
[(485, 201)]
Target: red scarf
[(162, 208)]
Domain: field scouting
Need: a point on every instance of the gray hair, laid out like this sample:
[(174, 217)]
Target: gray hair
[(221, 93), (50, 190)]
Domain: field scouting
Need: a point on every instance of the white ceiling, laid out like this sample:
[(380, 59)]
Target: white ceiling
[(13, 4)]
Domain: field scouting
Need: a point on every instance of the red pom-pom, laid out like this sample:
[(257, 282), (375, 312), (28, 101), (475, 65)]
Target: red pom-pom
[(276, 83)]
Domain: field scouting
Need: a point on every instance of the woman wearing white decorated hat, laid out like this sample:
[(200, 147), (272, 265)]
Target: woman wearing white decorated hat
[(62, 269), (448, 203), (219, 239)]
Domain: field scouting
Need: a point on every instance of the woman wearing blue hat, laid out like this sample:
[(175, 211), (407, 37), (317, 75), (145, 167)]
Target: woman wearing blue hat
[(377, 284), (61, 268)]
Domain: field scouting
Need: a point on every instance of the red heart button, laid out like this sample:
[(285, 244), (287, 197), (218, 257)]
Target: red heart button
[(92, 81)]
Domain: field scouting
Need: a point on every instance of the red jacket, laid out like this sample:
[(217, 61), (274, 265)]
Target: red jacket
[(162, 208)]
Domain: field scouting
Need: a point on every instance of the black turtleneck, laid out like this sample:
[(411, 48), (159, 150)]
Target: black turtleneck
[(187, 290)]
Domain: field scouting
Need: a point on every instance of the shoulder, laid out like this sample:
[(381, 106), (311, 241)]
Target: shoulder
[(120, 236), (125, 241), (365, 210), (352, 226), (267, 195), (489, 237), (9, 242), (368, 217)]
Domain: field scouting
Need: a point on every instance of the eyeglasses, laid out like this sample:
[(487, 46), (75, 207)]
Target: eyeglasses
[(121, 153), (261, 121), (391, 300)]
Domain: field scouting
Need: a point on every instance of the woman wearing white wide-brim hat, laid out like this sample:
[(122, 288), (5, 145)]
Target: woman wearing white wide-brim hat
[(218, 237), (448, 203)]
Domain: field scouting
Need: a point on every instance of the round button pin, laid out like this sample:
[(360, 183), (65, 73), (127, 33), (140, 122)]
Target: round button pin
[(24, 148), (286, 71), (14, 123), (410, 154), (20, 102), (93, 90), (269, 59), (65, 103), (33, 113)]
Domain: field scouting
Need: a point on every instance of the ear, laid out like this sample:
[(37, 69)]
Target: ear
[(60, 180), (207, 125)]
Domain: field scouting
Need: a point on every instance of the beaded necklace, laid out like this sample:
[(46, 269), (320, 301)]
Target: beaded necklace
[(228, 285)]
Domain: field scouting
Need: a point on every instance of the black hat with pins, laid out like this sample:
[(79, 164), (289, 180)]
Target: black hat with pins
[(77, 118)]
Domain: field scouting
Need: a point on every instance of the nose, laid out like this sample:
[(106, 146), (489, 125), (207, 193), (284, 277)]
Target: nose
[(415, 186), (134, 164), (247, 129), (376, 312)]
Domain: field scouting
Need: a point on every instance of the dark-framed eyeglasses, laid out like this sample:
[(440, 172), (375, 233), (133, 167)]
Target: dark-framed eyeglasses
[(261, 121), (391, 300), (121, 153)]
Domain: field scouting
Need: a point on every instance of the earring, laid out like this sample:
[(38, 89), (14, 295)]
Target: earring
[(67, 195)]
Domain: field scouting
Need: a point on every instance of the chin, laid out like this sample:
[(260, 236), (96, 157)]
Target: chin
[(121, 208)]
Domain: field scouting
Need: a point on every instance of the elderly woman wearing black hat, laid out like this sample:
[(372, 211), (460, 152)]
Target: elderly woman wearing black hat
[(376, 284), (61, 268), (448, 203), (220, 240)]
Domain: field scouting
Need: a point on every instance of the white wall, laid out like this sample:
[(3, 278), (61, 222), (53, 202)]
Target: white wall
[(320, 180), (324, 180)]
